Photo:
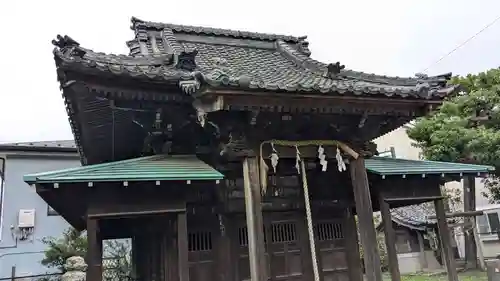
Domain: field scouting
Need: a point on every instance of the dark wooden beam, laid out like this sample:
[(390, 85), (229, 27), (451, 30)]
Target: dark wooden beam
[(469, 190), (421, 249), (364, 211), (307, 263), (337, 98), (412, 199), (390, 239), (182, 247), (94, 251), (445, 238), (460, 214), (352, 247), (135, 213), (223, 250), (271, 259), (254, 218)]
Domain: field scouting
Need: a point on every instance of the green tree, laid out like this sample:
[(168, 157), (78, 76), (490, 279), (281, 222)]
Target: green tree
[(453, 133), (71, 243), (382, 249), (74, 243)]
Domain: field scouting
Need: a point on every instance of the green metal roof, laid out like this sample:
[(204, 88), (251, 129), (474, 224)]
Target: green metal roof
[(394, 166), (149, 168)]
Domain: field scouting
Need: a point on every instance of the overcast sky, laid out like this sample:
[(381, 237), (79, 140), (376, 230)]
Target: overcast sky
[(391, 37)]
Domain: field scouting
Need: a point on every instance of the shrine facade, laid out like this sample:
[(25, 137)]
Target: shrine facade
[(232, 155)]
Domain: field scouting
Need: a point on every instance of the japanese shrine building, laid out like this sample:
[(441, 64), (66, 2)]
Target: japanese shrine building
[(232, 155)]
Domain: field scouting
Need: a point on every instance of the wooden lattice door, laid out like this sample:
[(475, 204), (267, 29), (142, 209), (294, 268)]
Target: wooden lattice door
[(283, 248), (330, 242), (202, 231)]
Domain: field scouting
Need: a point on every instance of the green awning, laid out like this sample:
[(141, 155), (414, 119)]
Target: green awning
[(184, 167), (393, 166), (149, 168)]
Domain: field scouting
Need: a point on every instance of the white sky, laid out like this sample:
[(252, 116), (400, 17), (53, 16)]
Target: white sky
[(391, 37)]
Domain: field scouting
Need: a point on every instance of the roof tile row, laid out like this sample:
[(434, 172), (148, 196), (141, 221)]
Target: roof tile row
[(283, 64)]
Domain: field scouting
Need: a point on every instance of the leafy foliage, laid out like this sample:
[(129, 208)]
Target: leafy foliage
[(384, 261), (71, 243), (450, 134), (117, 253), (117, 262)]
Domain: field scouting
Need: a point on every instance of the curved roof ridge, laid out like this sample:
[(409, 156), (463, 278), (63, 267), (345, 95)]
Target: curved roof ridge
[(213, 31), (161, 67), (301, 58), (321, 68), (137, 60)]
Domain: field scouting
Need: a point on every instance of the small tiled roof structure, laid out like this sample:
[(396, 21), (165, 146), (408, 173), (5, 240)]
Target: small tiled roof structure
[(46, 146), (414, 216), (193, 57)]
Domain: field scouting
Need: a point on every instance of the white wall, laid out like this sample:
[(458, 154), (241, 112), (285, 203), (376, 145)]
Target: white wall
[(401, 143), (26, 255)]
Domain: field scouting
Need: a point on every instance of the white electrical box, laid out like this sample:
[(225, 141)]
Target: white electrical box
[(26, 218)]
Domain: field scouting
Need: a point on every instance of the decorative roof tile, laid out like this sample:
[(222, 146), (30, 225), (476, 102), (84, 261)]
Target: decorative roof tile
[(414, 216)]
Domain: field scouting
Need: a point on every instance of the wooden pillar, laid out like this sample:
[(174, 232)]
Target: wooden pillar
[(182, 247), (305, 249), (421, 247), (94, 251), (469, 191), (271, 267), (254, 219), (364, 211), (134, 257), (445, 237), (223, 247), (259, 219), (352, 247), (390, 239)]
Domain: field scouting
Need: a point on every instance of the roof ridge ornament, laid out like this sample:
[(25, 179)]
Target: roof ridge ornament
[(186, 59), (134, 21), (64, 42), (190, 85), (303, 46), (69, 46), (434, 81), (431, 84), (333, 69)]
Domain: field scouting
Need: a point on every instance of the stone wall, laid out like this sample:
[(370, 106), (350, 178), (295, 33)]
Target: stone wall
[(75, 269)]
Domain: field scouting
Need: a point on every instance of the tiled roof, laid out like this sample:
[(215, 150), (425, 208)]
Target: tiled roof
[(137, 24), (57, 145), (415, 215), (244, 60), (149, 168)]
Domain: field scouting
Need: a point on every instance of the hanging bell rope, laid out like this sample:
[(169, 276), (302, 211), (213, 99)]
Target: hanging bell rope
[(307, 203)]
